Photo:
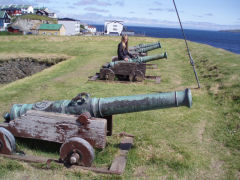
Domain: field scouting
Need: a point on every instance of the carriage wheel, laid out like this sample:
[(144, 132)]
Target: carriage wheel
[(139, 76), (77, 151), (109, 75), (7, 142), (131, 76)]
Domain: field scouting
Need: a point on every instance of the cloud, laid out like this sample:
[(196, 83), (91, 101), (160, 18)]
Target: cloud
[(132, 12), (24, 2), (95, 9), (8, 2), (161, 9), (197, 16), (158, 3), (42, 1), (72, 7), (156, 9), (92, 2), (171, 10), (120, 3), (96, 18), (208, 14)]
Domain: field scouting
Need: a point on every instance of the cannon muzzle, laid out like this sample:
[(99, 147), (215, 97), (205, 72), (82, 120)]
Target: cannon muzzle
[(101, 107)]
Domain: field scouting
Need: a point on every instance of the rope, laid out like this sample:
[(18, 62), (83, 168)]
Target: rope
[(189, 53)]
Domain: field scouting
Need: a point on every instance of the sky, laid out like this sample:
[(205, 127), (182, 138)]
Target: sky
[(194, 14)]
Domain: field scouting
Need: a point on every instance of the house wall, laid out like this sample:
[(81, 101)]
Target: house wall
[(113, 27), (30, 10), (60, 32), (72, 27), (1, 25), (4, 22), (48, 32), (91, 29)]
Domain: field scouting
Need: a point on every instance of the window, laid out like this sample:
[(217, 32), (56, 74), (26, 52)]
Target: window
[(115, 29)]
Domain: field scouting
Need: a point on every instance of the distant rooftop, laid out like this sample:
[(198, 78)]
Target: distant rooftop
[(67, 19), (50, 26)]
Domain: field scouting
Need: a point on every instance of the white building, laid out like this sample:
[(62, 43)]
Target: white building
[(16, 10), (27, 9), (91, 29), (72, 26), (113, 27)]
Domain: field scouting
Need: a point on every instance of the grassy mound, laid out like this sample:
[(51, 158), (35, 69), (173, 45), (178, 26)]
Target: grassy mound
[(175, 143), (36, 17)]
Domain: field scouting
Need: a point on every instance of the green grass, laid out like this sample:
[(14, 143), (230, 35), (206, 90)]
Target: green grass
[(176, 143), (6, 33)]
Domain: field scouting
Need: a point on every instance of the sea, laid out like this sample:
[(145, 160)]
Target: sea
[(229, 41)]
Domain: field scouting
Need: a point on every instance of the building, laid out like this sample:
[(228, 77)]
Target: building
[(52, 29), (14, 29), (5, 19), (91, 29), (40, 8), (43, 11), (16, 10), (113, 27), (72, 26)]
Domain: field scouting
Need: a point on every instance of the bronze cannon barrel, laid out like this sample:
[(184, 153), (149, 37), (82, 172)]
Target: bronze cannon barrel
[(141, 59), (100, 107), (140, 46), (145, 49)]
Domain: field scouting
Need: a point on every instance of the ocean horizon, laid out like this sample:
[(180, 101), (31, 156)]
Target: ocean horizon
[(229, 41)]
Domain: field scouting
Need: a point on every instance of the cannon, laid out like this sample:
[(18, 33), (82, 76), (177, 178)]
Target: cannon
[(144, 45), (142, 49), (133, 70), (141, 59), (80, 124)]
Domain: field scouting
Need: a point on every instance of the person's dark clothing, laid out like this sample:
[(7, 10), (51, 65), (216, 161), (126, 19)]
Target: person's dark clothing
[(123, 53)]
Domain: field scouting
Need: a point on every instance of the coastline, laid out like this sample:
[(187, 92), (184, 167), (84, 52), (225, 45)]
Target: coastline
[(226, 40)]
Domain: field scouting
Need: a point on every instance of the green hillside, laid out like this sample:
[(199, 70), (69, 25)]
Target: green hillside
[(176, 143), (35, 17)]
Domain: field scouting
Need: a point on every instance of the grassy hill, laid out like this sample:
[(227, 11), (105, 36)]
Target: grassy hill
[(35, 17), (177, 143)]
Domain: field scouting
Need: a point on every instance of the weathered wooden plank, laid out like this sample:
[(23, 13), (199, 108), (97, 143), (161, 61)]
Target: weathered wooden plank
[(56, 127), (119, 163), (26, 158), (36, 159)]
